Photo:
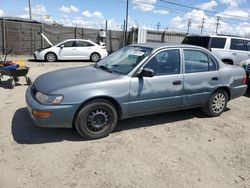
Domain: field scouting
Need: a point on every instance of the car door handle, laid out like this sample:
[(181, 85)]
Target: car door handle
[(177, 82), (234, 53), (215, 78)]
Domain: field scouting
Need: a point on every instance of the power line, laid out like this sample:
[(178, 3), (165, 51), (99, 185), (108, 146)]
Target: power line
[(202, 25), (217, 23), (205, 10), (126, 29), (158, 25), (189, 25), (30, 12)]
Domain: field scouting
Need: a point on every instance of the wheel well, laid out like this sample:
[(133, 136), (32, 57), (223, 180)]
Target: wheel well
[(109, 99), (226, 89), (229, 61), (50, 52)]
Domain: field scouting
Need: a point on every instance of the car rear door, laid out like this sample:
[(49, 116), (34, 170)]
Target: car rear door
[(84, 49), (238, 50), (201, 76), (162, 91)]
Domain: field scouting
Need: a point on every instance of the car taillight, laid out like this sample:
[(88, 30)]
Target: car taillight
[(244, 79)]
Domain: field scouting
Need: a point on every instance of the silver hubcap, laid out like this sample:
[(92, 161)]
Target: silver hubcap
[(219, 102), (51, 57), (95, 57)]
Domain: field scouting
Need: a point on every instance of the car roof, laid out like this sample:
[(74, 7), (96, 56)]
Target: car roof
[(219, 36), (77, 40), (164, 45)]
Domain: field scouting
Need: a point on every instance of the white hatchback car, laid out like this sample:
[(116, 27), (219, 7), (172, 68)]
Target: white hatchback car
[(72, 49)]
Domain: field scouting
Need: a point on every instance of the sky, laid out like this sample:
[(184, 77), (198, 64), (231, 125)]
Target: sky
[(170, 15)]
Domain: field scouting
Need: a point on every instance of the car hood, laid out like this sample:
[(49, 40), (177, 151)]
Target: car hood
[(54, 80)]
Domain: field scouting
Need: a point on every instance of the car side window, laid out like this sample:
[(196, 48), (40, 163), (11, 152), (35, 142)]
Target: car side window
[(83, 44), (218, 42), (198, 61), (237, 44), (69, 44), (165, 62), (248, 45)]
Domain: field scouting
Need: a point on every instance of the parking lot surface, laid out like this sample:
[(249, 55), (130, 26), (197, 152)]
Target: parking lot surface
[(177, 149)]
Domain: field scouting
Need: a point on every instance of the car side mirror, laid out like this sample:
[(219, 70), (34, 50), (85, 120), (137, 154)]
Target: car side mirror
[(147, 72), (62, 46)]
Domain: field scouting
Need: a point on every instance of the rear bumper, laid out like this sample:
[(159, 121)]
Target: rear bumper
[(238, 91), (62, 115)]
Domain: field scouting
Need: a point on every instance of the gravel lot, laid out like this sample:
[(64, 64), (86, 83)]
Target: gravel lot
[(178, 149)]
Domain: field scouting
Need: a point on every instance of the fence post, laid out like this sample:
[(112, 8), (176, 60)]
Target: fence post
[(82, 32), (42, 39), (75, 32), (163, 37), (110, 41), (4, 35)]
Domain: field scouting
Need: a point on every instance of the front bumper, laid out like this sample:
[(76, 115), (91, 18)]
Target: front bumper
[(38, 55), (62, 115)]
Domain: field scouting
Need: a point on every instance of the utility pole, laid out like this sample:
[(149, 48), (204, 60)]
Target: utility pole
[(217, 23), (158, 25), (126, 29), (202, 25), (189, 25), (30, 10)]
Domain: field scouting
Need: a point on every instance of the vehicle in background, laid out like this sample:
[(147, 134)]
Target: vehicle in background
[(230, 49), (139, 79), (72, 49)]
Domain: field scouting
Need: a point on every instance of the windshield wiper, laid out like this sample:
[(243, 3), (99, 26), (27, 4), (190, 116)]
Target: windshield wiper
[(105, 68)]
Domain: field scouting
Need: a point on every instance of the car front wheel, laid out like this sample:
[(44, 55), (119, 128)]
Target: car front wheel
[(216, 104), (96, 119), (50, 57)]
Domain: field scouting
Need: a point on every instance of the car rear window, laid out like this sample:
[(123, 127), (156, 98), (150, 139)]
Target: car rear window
[(218, 42), (198, 41), (237, 44)]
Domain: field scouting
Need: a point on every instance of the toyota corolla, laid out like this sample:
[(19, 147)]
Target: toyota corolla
[(136, 80)]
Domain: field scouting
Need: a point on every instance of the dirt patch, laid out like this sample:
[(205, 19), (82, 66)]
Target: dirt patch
[(177, 149)]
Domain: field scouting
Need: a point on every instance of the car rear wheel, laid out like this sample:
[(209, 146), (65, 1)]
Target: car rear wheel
[(95, 57), (96, 119), (50, 57), (216, 104)]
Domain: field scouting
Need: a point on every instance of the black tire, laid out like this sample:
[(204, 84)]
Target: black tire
[(95, 57), (28, 80), (216, 104), (16, 79), (12, 83), (50, 57), (96, 119)]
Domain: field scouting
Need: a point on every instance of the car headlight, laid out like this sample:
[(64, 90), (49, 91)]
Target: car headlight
[(49, 99)]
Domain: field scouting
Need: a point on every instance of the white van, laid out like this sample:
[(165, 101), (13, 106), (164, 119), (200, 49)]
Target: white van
[(230, 49)]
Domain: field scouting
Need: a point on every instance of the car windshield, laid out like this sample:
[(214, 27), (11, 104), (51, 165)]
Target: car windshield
[(125, 59)]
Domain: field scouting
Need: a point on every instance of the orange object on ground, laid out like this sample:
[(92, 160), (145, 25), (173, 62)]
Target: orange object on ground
[(20, 62)]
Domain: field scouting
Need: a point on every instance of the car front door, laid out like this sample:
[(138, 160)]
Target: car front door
[(84, 49), (162, 91), (201, 77), (67, 51)]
